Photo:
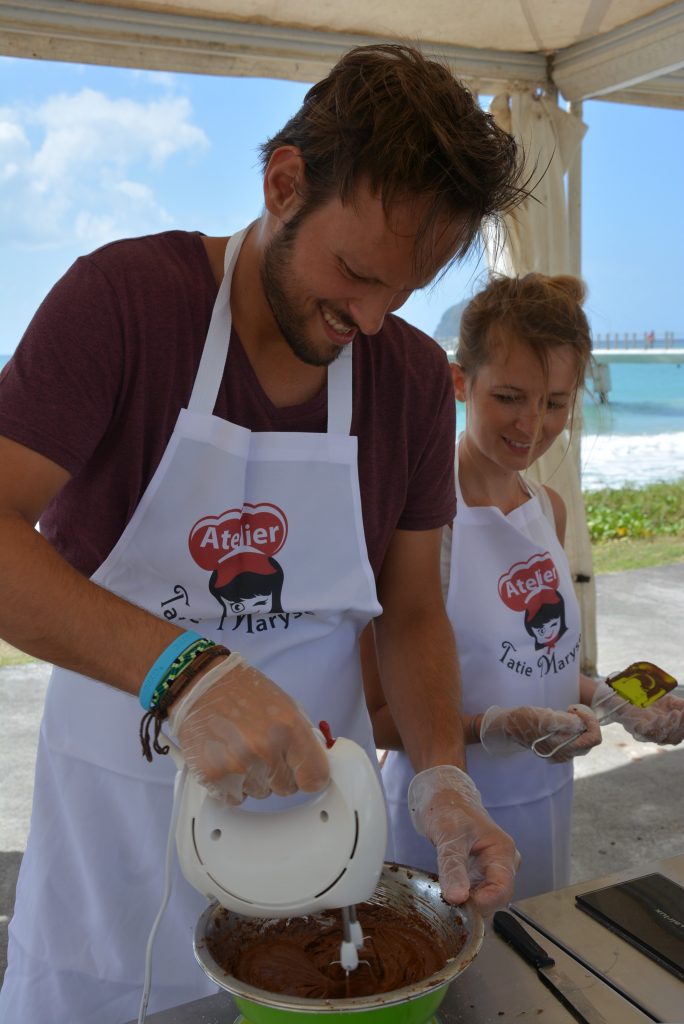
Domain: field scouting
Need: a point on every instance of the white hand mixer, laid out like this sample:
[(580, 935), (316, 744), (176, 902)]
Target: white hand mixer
[(325, 853)]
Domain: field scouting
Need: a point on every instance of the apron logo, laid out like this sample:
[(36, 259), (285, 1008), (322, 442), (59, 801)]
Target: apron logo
[(237, 548), (531, 587)]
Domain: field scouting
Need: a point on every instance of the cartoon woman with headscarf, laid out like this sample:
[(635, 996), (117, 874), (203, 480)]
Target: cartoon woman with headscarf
[(238, 548), (531, 587), (545, 618), (248, 583)]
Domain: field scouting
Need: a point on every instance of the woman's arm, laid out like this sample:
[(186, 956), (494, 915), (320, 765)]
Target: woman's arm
[(385, 732), (560, 513)]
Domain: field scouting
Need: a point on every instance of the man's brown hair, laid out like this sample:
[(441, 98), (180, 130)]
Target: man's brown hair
[(389, 116)]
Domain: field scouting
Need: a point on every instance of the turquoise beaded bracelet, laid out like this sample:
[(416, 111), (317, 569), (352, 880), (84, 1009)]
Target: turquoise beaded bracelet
[(170, 663)]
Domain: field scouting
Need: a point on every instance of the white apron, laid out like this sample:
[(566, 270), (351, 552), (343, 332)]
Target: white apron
[(255, 540), (509, 585)]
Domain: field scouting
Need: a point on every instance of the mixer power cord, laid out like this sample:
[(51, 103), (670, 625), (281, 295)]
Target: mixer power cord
[(179, 783)]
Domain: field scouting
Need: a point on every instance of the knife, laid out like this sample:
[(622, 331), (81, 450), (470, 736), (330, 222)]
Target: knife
[(559, 983)]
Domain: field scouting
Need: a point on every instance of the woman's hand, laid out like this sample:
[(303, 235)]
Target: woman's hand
[(660, 722), (506, 731)]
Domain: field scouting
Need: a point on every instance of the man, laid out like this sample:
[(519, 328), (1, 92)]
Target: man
[(220, 463)]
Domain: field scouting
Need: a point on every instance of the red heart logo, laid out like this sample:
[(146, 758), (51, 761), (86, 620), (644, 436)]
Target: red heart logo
[(258, 529), (524, 580)]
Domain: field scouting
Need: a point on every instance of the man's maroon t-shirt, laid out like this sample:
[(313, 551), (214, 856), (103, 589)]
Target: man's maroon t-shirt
[(110, 358)]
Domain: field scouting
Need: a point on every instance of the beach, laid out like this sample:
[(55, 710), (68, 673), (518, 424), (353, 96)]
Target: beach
[(637, 437), (614, 460)]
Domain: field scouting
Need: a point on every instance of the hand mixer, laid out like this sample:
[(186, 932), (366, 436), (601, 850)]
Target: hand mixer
[(322, 854)]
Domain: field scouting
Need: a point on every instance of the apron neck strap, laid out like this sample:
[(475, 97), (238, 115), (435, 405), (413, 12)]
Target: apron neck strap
[(213, 362), (460, 502), (340, 392)]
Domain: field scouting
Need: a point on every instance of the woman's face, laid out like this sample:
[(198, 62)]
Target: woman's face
[(547, 631), (512, 414)]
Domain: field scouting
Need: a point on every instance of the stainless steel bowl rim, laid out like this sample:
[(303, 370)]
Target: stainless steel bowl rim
[(468, 913)]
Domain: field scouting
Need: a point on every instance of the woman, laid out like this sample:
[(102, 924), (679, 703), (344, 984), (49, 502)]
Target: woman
[(523, 351)]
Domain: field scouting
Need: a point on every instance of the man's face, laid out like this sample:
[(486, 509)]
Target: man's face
[(341, 269)]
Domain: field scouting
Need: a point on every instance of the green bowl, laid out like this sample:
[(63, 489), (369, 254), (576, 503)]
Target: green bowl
[(402, 888)]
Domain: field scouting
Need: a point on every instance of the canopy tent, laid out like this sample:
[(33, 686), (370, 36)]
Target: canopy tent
[(629, 51), (526, 53)]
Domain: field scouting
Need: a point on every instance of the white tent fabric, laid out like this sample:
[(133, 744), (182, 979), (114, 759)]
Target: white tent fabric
[(629, 51), (537, 238), (537, 235)]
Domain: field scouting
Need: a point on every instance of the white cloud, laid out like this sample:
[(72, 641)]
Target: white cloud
[(82, 166), (15, 148)]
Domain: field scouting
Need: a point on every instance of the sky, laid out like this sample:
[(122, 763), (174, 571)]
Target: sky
[(90, 154)]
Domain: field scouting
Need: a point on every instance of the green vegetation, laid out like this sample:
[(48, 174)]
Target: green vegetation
[(636, 527)]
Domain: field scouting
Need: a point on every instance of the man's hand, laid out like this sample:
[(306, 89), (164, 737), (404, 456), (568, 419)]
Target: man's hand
[(506, 731), (241, 735), (474, 856), (660, 722)]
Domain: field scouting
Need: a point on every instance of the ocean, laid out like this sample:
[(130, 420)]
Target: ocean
[(637, 437)]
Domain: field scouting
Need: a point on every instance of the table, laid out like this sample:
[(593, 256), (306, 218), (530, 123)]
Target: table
[(500, 988)]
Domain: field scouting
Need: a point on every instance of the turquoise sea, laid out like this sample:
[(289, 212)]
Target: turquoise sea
[(637, 437)]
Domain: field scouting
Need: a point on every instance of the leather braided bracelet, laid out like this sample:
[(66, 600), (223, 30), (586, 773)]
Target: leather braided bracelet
[(160, 711)]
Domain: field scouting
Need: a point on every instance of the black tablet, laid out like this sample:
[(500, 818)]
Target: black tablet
[(647, 912)]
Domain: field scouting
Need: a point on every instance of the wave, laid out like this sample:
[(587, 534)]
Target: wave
[(618, 460), (641, 409)]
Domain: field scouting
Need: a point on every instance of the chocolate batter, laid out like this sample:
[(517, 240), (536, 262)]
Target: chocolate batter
[(297, 956)]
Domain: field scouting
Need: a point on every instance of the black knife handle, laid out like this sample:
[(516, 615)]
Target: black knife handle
[(512, 932)]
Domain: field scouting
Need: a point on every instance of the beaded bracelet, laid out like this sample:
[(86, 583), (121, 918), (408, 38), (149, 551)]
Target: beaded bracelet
[(159, 711), (184, 660)]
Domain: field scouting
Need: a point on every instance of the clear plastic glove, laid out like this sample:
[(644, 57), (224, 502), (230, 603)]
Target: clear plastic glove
[(474, 856), (241, 735), (506, 731), (660, 722)]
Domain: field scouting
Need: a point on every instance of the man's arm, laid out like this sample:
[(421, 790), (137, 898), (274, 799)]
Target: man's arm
[(49, 609), (416, 652), (420, 678), (53, 612), (385, 732)]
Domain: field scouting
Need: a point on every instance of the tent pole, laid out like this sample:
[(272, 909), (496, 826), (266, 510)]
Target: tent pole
[(575, 201), (587, 587)]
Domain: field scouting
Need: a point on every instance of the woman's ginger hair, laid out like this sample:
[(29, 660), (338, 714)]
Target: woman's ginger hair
[(543, 311)]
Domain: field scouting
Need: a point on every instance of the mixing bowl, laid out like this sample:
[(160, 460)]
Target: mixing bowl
[(414, 894)]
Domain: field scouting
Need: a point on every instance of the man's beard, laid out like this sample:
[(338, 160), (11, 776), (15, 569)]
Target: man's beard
[(275, 278)]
